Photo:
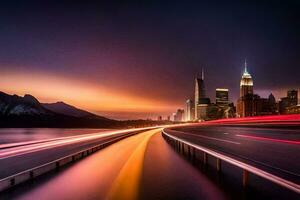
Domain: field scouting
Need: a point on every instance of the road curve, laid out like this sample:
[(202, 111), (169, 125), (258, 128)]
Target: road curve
[(144, 166), (271, 149), (139, 167), (20, 158)]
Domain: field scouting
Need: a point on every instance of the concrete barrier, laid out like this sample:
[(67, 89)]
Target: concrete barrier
[(179, 144)]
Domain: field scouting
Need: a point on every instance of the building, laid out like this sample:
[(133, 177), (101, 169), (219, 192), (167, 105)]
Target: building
[(229, 111), (245, 102), (293, 109), (245, 106), (284, 103), (293, 97), (202, 111), (168, 118), (265, 106), (179, 115), (190, 110), (202, 108), (291, 100), (201, 101), (246, 83), (159, 118), (214, 111), (222, 97), (254, 105), (199, 92)]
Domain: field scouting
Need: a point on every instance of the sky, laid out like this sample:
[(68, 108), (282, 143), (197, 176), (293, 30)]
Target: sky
[(138, 59)]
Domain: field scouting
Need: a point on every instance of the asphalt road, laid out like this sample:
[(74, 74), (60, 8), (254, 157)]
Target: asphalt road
[(143, 166), (274, 150), (17, 159)]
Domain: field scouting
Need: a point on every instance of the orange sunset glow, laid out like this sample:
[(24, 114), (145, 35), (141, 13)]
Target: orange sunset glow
[(93, 97)]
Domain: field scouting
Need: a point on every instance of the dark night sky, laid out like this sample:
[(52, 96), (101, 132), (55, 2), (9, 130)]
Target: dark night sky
[(152, 50)]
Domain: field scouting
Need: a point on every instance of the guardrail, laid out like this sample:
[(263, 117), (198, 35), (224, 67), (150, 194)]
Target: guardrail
[(32, 173), (180, 144)]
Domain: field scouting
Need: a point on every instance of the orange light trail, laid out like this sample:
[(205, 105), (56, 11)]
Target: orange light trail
[(126, 185)]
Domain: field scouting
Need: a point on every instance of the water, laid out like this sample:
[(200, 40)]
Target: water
[(13, 135)]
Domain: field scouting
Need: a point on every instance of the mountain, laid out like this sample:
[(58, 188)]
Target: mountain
[(16, 105), (66, 109), (27, 111)]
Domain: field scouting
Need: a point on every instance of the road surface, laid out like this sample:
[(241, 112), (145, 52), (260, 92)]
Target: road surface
[(140, 167), (17, 158), (271, 149), (144, 166)]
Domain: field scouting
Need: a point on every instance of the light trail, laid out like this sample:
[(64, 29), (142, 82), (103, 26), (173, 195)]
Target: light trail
[(271, 119), (18, 144), (126, 185), (33, 146), (270, 139), (17, 151)]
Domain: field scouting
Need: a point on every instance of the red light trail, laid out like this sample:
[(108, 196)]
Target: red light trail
[(270, 139)]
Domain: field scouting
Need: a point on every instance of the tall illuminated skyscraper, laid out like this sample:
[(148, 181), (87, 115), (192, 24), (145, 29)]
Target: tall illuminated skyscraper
[(199, 92), (245, 104), (246, 84)]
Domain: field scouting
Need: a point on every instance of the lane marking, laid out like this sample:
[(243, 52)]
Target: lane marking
[(210, 138), (270, 139), (126, 185), (262, 163)]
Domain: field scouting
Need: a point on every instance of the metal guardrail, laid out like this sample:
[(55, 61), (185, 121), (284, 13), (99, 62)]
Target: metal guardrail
[(179, 144), (32, 173)]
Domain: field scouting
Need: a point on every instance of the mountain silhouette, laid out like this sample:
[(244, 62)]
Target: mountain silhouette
[(66, 109), (27, 111)]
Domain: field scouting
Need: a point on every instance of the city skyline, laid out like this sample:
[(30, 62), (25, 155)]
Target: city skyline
[(249, 103), (152, 114)]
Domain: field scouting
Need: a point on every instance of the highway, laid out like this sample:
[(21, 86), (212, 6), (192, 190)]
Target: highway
[(145, 166), (271, 149), (17, 157), (140, 167)]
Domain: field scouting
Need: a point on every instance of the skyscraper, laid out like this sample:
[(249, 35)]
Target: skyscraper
[(222, 98), (245, 104), (246, 84), (199, 92), (179, 115), (190, 110)]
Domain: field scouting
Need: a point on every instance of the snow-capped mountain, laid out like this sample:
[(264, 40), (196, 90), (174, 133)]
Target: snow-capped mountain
[(16, 105)]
